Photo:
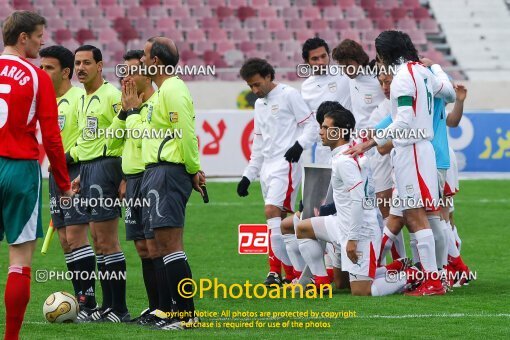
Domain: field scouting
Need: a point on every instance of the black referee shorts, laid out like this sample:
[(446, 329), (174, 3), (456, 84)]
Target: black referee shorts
[(136, 226), (168, 187)]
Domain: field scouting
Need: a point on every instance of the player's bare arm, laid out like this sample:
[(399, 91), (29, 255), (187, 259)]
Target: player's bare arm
[(454, 117)]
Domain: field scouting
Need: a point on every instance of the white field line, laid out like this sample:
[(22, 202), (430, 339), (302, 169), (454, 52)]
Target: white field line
[(405, 316)]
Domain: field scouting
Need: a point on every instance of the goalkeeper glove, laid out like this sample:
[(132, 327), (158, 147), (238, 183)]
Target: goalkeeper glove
[(292, 155), (242, 187)]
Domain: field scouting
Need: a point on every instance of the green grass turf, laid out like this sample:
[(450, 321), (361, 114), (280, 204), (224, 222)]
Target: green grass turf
[(481, 309)]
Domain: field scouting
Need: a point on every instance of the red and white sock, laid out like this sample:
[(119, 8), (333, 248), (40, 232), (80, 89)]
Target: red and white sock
[(381, 286), (275, 265), (386, 244), (277, 244), (453, 251), (17, 295)]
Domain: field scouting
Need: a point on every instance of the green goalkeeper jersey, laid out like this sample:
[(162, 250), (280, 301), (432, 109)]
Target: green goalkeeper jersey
[(97, 111), (68, 117), (175, 115), (134, 133)]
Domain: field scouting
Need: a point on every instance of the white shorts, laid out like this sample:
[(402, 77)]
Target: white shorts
[(333, 256), (365, 268), (395, 210), (451, 186), (416, 175), (280, 182), (441, 179), (381, 171)]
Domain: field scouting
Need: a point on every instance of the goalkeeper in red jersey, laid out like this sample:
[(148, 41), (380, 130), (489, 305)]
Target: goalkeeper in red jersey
[(26, 97)]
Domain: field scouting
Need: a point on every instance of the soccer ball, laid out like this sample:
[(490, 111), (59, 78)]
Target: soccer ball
[(60, 307)]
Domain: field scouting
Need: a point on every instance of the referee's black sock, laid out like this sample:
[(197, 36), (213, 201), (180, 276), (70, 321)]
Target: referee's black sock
[(71, 267), (164, 296), (85, 264), (151, 283), (116, 267), (105, 284), (177, 269)]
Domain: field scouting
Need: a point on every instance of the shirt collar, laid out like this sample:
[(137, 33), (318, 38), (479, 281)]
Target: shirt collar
[(339, 150)]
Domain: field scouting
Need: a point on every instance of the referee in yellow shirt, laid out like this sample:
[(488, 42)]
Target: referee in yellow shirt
[(172, 168)]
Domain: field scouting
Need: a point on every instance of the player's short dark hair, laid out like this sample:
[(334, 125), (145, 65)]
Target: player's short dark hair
[(325, 107), (164, 52), (133, 54), (350, 50), (62, 54), (312, 44), (394, 47), (96, 52), (344, 120), (19, 22), (254, 66)]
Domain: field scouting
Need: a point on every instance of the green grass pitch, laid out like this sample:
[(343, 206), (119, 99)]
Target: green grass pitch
[(481, 309)]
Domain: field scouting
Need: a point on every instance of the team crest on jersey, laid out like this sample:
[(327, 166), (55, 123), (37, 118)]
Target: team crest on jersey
[(117, 107), (274, 109), (92, 123), (409, 189), (368, 98), (61, 122), (174, 117), (332, 87)]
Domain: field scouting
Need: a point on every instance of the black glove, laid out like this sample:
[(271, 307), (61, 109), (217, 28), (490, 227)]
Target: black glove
[(301, 207), (242, 187), (327, 209), (292, 155), (122, 115)]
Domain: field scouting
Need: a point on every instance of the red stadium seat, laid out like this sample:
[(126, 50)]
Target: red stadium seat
[(340, 24), (253, 24), (92, 12), (240, 35), (389, 4), (231, 24), (136, 12), (368, 4), (411, 4), (217, 34), (354, 13), (270, 47), (385, 24), (350, 34), (54, 25), (280, 3), (224, 12), (303, 35), (329, 36), (364, 24), (267, 12), (332, 13), (121, 23), (196, 35), (144, 23), (149, 3), (78, 23), (210, 57), (209, 23), (84, 34), (302, 3), (429, 26), (407, 24), (238, 3), (62, 35), (297, 25), (418, 37), (421, 13), (369, 36), (318, 25), (202, 12), (128, 34), (105, 3), (346, 3), (325, 3), (112, 12), (224, 45), (246, 12), (275, 24), (216, 3), (187, 55), (260, 35), (106, 36), (290, 13), (377, 13), (194, 3), (187, 23), (172, 2), (283, 35), (130, 3), (261, 3), (49, 12), (398, 13), (98, 24), (247, 46), (178, 12), (165, 23), (63, 3), (310, 13)]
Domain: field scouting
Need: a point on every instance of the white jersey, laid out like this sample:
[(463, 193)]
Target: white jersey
[(321, 88), (381, 164), (356, 217), (281, 119), (412, 95), (366, 94)]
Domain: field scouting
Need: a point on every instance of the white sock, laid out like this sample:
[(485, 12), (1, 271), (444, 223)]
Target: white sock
[(414, 249), (439, 240), (314, 256), (453, 251), (457, 238), (292, 247), (386, 243), (426, 249), (277, 244), (381, 287), (399, 244)]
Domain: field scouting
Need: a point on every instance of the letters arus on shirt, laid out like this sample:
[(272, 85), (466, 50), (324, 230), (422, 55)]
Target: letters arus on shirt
[(253, 239)]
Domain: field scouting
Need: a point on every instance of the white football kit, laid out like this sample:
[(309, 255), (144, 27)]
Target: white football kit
[(381, 164), (366, 94), (321, 88), (412, 91), (281, 119)]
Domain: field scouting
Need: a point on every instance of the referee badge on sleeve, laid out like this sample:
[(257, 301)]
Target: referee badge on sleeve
[(117, 107), (61, 122), (174, 117)]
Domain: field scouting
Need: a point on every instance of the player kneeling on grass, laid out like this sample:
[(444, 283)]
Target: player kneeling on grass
[(355, 228)]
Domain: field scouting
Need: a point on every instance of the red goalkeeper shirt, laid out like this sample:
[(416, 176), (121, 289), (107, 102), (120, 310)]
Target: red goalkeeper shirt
[(27, 96)]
